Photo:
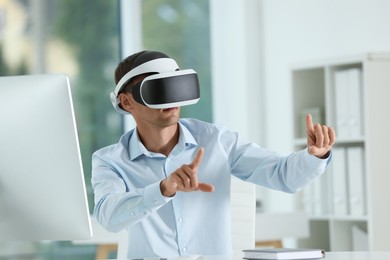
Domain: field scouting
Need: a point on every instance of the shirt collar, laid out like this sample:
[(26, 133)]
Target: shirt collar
[(186, 139), (137, 148)]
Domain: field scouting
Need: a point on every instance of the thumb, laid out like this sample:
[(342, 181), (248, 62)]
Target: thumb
[(205, 187)]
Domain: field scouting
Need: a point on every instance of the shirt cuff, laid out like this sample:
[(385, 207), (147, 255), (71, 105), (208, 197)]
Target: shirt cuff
[(314, 160), (153, 197)]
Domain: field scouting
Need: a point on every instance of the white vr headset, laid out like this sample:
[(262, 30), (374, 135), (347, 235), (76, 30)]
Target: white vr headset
[(168, 87)]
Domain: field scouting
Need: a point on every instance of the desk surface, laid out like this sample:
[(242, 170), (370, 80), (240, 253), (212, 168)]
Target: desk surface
[(357, 255), (328, 256), (340, 256)]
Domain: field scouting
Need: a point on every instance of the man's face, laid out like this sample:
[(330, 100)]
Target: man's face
[(145, 116), (154, 117)]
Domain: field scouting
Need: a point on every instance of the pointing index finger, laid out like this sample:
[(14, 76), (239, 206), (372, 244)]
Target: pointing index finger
[(198, 158), (309, 123)]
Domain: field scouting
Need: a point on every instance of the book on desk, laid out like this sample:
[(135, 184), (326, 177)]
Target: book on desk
[(283, 253)]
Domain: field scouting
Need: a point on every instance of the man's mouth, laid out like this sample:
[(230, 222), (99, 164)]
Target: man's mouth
[(169, 109)]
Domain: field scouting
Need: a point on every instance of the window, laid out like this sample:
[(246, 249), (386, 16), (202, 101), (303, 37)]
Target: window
[(80, 39), (181, 29)]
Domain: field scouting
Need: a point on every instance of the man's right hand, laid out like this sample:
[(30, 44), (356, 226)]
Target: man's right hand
[(185, 179)]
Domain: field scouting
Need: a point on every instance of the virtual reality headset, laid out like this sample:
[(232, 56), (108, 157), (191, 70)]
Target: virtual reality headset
[(166, 87)]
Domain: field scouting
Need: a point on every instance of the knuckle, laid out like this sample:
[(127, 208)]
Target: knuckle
[(192, 174)]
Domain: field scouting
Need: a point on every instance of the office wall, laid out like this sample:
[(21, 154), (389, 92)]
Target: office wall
[(236, 65), (255, 43), (304, 30), (237, 68)]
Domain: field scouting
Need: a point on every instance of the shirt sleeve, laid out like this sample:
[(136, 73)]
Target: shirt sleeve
[(116, 207), (289, 173)]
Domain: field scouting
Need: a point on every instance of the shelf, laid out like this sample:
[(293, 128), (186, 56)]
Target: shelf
[(340, 142), (339, 218), (350, 141), (349, 94)]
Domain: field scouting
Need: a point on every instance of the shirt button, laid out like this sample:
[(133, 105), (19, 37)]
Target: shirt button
[(184, 249), (132, 213), (180, 219), (155, 202)]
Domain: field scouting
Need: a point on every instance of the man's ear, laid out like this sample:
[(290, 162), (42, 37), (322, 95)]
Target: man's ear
[(126, 102)]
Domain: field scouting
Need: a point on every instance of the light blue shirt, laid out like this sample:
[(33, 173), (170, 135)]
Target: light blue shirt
[(126, 180)]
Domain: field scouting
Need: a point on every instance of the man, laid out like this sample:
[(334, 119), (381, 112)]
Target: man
[(168, 181)]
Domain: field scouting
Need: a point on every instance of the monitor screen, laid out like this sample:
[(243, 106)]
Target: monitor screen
[(42, 188)]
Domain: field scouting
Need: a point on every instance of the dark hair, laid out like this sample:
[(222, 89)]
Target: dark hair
[(135, 60)]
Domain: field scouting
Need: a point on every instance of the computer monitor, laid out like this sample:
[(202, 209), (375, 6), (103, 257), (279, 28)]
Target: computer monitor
[(42, 188)]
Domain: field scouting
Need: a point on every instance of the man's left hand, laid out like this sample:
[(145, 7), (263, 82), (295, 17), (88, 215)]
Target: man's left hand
[(320, 138)]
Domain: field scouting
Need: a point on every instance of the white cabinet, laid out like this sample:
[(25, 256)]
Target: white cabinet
[(349, 206)]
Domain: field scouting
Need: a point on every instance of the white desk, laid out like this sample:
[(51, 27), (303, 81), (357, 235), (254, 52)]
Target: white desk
[(357, 255), (328, 256)]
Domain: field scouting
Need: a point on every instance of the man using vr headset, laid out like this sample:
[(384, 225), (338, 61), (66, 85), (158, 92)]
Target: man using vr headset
[(168, 180)]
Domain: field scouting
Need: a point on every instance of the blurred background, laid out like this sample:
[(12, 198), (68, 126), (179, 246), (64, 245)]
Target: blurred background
[(83, 40), (242, 50)]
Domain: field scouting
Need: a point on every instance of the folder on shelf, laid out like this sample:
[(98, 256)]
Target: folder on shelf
[(341, 103), (359, 239), (339, 181), (307, 199), (355, 165), (317, 197), (348, 102), (355, 102)]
